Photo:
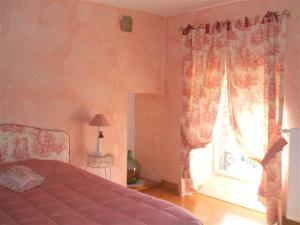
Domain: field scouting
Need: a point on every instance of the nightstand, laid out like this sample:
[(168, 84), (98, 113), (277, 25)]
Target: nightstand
[(101, 161)]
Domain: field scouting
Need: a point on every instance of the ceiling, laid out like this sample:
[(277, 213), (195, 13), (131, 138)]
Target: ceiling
[(165, 7)]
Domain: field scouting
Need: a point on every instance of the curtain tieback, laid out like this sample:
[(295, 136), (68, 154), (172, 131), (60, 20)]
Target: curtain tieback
[(276, 147)]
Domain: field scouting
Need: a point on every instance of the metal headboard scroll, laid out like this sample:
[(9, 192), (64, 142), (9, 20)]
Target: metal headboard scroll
[(19, 142)]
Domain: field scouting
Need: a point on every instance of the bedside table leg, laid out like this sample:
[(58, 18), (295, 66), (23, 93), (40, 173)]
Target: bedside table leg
[(105, 173)]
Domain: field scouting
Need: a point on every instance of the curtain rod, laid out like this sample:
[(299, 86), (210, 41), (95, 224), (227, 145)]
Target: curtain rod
[(186, 29)]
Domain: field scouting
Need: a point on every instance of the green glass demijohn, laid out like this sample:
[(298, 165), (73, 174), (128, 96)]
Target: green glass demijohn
[(133, 169)]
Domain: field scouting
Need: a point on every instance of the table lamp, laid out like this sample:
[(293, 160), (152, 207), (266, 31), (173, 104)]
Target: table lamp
[(99, 121)]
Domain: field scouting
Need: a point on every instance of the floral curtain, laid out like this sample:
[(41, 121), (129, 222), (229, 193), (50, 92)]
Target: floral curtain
[(253, 52), (255, 71), (203, 71)]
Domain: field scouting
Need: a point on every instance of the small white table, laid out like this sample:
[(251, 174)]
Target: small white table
[(101, 161)]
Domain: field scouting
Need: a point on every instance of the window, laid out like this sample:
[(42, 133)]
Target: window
[(221, 170), (229, 159)]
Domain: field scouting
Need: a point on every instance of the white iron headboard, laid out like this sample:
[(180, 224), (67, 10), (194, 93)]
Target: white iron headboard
[(19, 142)]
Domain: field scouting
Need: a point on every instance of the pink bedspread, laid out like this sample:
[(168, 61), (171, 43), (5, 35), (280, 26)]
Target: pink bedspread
[(71, 196)]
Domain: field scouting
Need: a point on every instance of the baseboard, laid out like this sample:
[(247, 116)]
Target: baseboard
[(170, 185), (286, 221)]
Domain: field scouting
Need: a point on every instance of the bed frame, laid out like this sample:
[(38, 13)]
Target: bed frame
[(19, 142)]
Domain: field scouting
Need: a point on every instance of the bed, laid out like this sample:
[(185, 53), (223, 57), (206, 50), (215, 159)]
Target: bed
[(69, 195)]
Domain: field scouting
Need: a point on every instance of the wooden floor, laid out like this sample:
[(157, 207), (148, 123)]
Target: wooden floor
[(211, 211)]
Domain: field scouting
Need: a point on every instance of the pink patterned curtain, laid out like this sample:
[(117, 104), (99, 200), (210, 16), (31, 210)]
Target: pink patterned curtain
[(255, 72), (203, 74), (253, 52)]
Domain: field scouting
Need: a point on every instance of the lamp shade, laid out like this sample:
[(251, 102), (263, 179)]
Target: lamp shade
[(99, 120)]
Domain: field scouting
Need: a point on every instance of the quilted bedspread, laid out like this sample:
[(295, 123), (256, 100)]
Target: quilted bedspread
[(71, 196)]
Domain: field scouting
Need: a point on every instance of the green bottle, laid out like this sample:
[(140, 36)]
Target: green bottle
[(133, 169)]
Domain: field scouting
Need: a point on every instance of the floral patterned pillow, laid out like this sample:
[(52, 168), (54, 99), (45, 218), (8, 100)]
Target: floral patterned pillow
[(20, 178)]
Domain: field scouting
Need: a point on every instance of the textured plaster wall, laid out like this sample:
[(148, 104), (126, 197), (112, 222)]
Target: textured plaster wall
[(157, 116), (61, 62)]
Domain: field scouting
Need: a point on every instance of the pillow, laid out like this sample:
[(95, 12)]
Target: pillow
[(20, 178)]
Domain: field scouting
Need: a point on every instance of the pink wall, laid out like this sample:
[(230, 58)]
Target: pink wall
[(157, 116), (61, 62)]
